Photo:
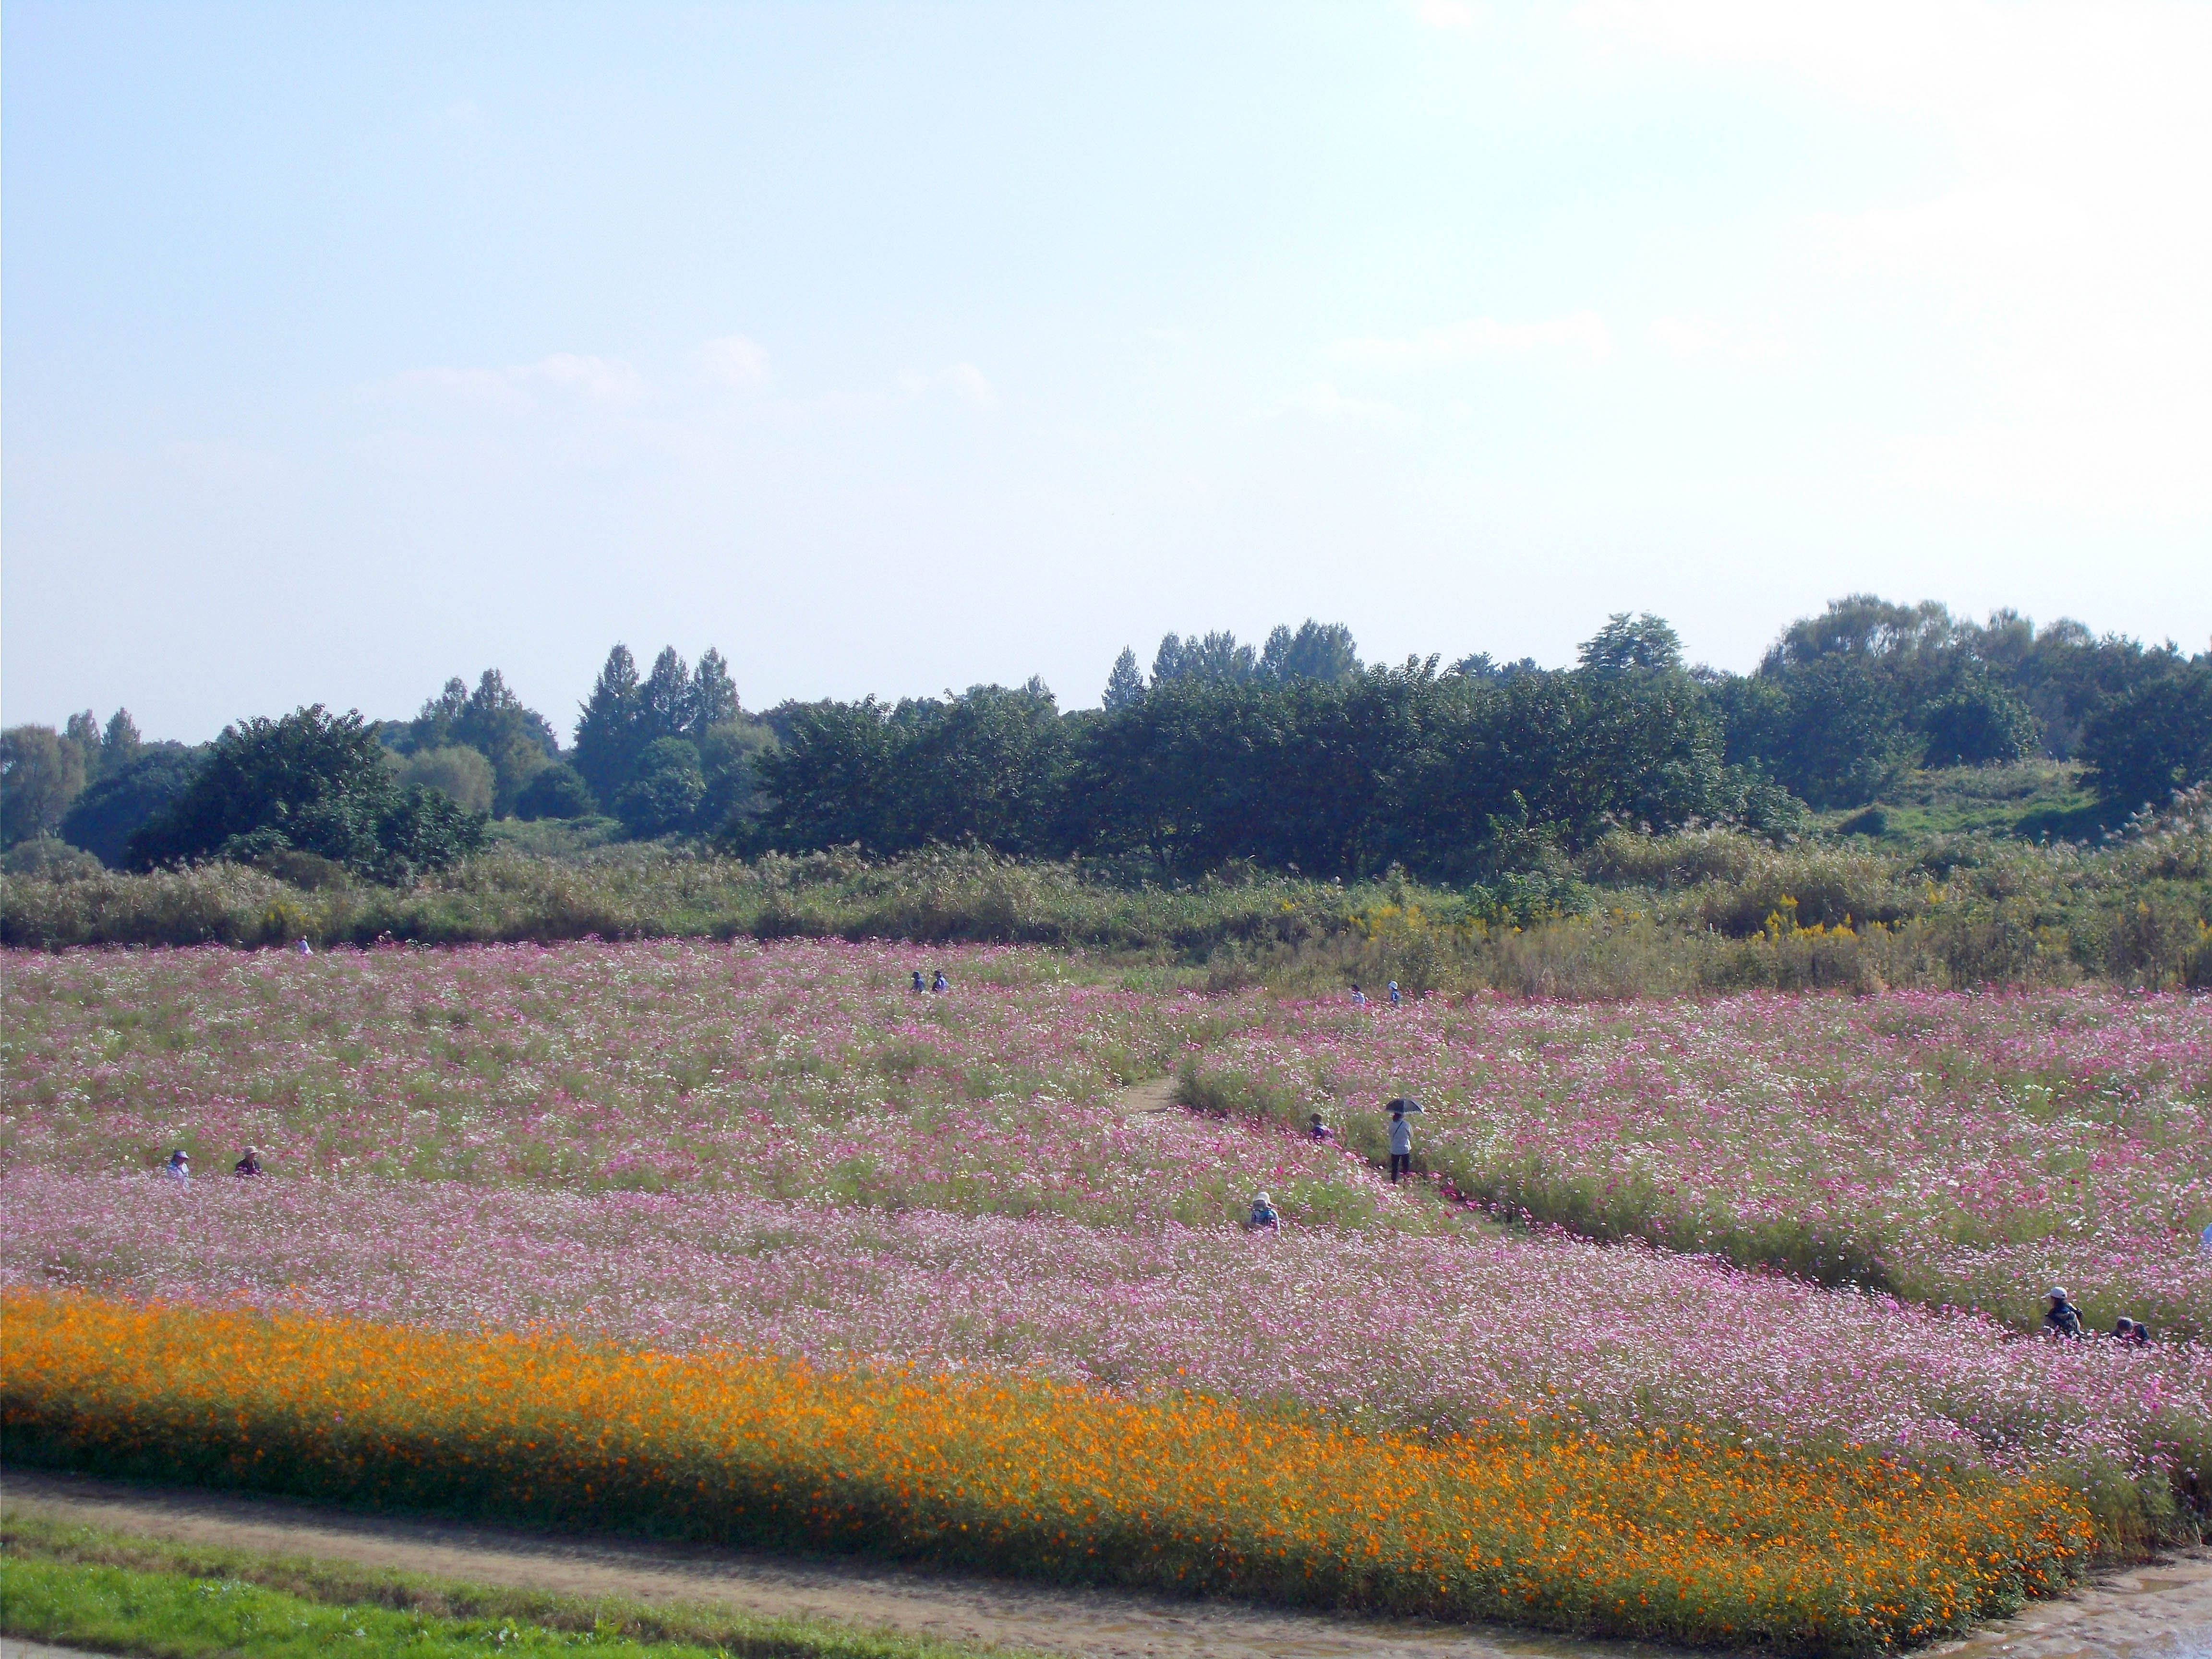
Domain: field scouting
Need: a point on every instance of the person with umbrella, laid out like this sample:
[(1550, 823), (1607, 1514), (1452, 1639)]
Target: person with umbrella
[(1401, 1138)]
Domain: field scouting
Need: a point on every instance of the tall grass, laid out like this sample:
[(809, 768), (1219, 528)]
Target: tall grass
[(1713, 909)]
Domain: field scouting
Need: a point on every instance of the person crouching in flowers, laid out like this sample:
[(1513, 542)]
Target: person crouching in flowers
[(1318, 1129), (248, 1165), (1263, 1218), (178, 1169), (2061, 1317)]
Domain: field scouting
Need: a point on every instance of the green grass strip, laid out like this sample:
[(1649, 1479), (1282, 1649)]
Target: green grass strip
[(120, 1593)]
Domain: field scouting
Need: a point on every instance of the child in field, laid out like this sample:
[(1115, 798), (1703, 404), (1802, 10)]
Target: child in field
[(178, 1169), (304, 948), (1319, 1130), (2062, 1318), (917, 981), (2130, 1330), (1358, 996), (1263, 1218), (940, 983)]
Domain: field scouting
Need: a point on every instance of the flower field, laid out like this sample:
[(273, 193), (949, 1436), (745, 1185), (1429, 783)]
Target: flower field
[(805, 1071), (684, 1151), (1654, 1533), (1964, 1149)]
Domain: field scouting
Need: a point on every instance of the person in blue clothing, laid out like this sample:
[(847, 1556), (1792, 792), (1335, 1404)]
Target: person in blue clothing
[(917, 981), (2061, 1317), (940, 983), (1358, 996), (1263, 1218), (1394, 993)]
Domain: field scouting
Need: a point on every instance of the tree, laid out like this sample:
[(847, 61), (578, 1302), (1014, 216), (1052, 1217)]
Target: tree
[(713, 696), (517, 740), (461, 773), (558, 791), (2156, 740), (666, 791), (120, 743), (1317, 651), (1844, 740), (130, 795), (1216, 657), (728, 758), (664, 699), (607, 736), (1125, 684), (312, 782), (1979, 721), (41, 772), (1647, 643)]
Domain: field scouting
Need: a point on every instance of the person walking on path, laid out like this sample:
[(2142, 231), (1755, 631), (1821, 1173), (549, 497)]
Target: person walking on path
[(1401, 1138), (2062, 1318)]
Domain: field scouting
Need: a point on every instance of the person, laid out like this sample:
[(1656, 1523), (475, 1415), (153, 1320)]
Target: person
[(2124, 1329), (940, 983), (304, 948), (1402, 1142), (1263, 1216), (1358, 996), (917, 981), (248, 1165), (178, 1169), (2137, 1330), (2062, 1318), (1317, 1129), (2204, 1240), (1394, 993)]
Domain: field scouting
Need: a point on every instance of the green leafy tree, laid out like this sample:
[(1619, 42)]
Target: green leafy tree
[(119, 743), (1979, 721), (461, 773), (558, 791), (1623, 645), (608, 734), (665, 698), (2144, 746), (1316, 651), (41, 772), (729, 755), (130, 793), (516, 740), (1844, 740), (1125, 682), (310, 783), (664, 795), (713, 698)]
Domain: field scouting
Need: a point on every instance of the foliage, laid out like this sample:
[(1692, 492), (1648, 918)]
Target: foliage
[(2152, 740), (461, 773), (558, 791), (664, 791), (41, 772), (312, 782), (1673, 1536), (516, 741), (130, 795)]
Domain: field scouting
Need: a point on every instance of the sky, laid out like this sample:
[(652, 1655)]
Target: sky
[(897, 348)]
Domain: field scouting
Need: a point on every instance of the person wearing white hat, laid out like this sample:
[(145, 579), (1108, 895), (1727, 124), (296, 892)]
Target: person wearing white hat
[(2061, 1317), (1263, 1218), (178, 1169)]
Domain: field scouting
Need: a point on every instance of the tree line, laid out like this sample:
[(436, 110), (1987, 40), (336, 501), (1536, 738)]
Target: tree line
[(1293, 753)]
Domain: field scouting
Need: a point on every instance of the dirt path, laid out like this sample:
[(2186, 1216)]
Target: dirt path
[(2161, 1612), (1143, 1099)]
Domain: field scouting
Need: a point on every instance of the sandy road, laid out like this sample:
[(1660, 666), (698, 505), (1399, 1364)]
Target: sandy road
[(2161, 1612)]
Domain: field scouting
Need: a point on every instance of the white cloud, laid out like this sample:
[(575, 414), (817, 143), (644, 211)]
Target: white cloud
[(1322, 402), (1481, 337), (1691, 336), (599, 380), (737, 362), (2063, 245)]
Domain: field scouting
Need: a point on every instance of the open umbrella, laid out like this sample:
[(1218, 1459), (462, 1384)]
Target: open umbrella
[(1402, 1104)]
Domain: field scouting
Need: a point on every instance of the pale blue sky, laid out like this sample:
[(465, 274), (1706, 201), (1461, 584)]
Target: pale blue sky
[(898, 348)]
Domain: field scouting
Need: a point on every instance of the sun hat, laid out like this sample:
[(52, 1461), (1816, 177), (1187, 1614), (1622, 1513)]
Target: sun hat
[(1261, 1198), (2055, 1293)]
